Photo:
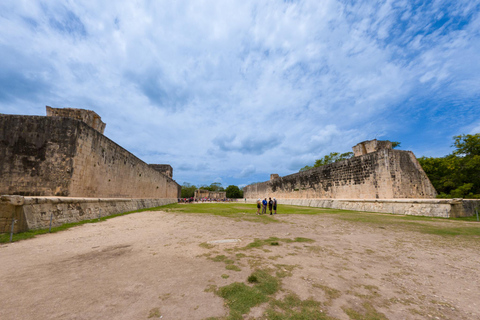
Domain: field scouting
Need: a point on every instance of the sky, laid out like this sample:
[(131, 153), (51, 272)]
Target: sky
[(232, 91)]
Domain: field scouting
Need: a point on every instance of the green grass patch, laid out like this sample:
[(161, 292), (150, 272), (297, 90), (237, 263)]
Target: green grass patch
[(273, 241), (292, 307), (368, 313), (240, 298), (246, 212), (232, 267)]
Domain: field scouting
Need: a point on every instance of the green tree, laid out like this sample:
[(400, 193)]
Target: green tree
[(233, 192), (456, 175), (329, 158), (395, 144), (188, 190), (215, 186)]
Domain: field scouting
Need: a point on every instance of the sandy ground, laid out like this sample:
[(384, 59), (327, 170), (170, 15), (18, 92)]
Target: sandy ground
[(151, 264)]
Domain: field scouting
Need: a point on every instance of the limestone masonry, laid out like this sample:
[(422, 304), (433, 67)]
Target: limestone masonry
[(66, 154), (375, 172), (201, 193)]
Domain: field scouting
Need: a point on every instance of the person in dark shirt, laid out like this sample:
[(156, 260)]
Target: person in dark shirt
[(274, 206), (270, 205)]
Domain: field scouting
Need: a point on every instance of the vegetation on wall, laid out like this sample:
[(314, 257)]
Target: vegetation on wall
[(456, 175), (333, 157)]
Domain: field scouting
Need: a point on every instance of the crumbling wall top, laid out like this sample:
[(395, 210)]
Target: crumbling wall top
[(274, 176), (370, 146), (165, 169), (90, 117)]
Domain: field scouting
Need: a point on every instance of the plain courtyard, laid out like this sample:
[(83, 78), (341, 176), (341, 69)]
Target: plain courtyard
[(220, 261)]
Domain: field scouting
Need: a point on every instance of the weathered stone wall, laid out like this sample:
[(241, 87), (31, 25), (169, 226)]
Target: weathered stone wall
[(385, 174), (201, 193), (33, 213), (370, 146), (104, 169), (36, 155), (442, 208), (89, 117), (166, 169), (56, 156)]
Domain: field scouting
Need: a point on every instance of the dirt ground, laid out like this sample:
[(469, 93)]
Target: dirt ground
[(158, 265)]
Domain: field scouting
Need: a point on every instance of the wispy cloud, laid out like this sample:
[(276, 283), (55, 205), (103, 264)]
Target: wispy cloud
[(236, 90)]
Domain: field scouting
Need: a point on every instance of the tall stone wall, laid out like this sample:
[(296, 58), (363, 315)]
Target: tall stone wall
[(56, 156), (36, 155), (384, 174)]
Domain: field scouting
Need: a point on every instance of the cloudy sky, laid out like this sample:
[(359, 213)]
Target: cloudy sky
[(231, 91)]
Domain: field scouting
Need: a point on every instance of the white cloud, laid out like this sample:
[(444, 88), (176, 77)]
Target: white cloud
[(218, 88)]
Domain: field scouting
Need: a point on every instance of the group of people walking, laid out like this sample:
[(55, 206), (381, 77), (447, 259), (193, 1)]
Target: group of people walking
[(272, 206)]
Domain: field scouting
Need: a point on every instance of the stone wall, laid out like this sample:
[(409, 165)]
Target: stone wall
[(32, 213), (57, 156), (442, 208), (384, 174), (89, 117), (165, 169), (36, 154), (201, 193)]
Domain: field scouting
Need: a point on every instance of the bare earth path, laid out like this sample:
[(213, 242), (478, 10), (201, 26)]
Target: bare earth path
[(156, 264)]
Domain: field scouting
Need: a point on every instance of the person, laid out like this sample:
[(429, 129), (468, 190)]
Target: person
[(274, 206), (270, 205), (258, 206), (264, 207)]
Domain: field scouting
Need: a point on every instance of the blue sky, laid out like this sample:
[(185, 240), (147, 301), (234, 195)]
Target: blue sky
[(231, 91)]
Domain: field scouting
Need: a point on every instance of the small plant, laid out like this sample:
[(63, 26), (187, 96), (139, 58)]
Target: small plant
[(154, 313), (232, 267)]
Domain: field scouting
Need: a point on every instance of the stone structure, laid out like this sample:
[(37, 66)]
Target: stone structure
[(444, 208), (377, 172), (91, 118), (370, 146), (165, 169), (32, 213), (201, 193), (64, 156)]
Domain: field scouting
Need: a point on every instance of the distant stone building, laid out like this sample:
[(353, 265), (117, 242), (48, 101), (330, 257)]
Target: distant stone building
[(66, 154), (375, 172), (202, 193)]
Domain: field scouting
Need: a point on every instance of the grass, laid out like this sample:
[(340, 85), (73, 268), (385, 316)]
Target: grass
[(240, 298), (368, 313), (273, 241), (292, 307), (466, 227), (428, 225)]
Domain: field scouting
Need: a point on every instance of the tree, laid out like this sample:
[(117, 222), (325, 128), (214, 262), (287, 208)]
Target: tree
[(188, 190), (456, 175), (234, 192), (395, 144), (329, 158), (215, 186)]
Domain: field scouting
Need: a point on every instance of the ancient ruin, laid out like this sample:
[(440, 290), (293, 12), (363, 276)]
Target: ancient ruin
[(202, 193), (375, 172), (65, 154)]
